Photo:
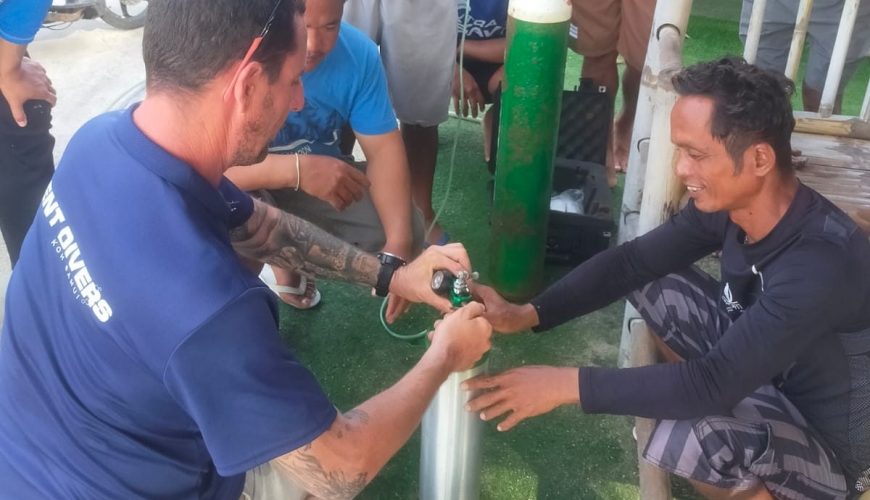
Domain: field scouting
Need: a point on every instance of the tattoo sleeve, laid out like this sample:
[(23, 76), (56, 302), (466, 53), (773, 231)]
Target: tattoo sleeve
[(276, 237), (319, 480)]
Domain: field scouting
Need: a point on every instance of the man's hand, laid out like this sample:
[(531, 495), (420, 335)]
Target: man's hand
[(472, 98), (332, 180), (344, 458), (397, 306), (25, 82), (504, 316), (413, 282), (523, 392), (463, 336)]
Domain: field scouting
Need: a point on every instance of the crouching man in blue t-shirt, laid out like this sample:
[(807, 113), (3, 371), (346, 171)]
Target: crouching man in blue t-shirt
[(305, 172), (139, 358)]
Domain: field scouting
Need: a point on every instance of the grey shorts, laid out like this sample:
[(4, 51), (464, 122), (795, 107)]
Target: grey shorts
[(778, 27), (418, 46), (764, 440), (359, 224)]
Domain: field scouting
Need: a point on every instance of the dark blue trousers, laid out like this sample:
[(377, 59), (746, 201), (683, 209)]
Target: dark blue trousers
[(26, 167)]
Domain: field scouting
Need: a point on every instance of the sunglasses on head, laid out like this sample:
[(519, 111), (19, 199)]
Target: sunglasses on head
[(255, 44)]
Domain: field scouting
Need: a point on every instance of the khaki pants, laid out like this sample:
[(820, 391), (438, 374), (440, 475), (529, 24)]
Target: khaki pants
[(359, 224), (613, 25)]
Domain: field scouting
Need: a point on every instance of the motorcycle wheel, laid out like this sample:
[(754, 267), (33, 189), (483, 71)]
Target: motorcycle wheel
[(123, 14)]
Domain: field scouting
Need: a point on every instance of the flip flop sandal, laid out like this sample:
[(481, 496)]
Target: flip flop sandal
[(267, 276)]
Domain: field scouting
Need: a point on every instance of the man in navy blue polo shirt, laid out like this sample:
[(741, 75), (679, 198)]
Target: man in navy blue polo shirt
[(139, 358)]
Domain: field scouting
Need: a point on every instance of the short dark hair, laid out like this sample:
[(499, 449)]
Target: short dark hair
[(750, 105), (186, 43)]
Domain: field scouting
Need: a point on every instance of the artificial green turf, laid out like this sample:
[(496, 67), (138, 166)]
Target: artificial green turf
[(562, 455)]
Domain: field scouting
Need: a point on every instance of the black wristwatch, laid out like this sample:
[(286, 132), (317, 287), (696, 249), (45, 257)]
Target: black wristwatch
[(389, 264)]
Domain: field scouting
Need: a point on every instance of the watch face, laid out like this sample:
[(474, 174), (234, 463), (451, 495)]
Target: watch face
[(389, 259)]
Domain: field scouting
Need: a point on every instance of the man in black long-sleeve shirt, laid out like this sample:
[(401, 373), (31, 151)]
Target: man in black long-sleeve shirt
[(769, 391)]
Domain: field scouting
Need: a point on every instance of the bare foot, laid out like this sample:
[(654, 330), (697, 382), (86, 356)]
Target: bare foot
[(621, 142), (612, 179)]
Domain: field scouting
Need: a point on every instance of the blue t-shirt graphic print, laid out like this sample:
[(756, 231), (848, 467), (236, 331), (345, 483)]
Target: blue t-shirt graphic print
[(347, 87)]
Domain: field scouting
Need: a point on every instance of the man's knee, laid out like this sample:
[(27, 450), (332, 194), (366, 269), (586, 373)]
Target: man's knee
[(601, 69), (665, 353), (719, 453)]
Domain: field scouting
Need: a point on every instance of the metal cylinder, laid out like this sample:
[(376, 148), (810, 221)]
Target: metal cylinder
[(451, 449), (531, 102)]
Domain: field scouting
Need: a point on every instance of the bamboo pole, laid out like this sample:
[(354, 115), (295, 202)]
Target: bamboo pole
[(662, 189), (753, 35), (865, 108), (659, 195), (798, 39), (838, 57), (834, 125), (663, 60), (654, 483)]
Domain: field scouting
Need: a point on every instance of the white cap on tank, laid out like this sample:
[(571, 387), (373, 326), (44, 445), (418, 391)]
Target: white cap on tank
[(540, 11)]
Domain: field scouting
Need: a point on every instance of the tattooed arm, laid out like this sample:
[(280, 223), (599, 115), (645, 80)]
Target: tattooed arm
[(275, 237), (342, 460)]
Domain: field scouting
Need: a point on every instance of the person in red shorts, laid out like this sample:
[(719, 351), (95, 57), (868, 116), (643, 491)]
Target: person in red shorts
[(604, 30)]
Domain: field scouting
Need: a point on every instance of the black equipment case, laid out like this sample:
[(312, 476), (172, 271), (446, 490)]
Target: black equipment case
[(581, 154)]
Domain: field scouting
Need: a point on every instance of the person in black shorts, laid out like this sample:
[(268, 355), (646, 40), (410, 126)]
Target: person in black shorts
[(487, 77), (481, 52), (767, 390)]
